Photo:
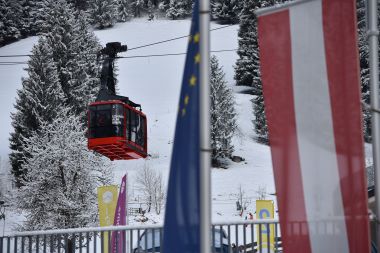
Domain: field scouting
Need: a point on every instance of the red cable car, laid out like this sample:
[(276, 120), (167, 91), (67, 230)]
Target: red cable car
[(116, 129)]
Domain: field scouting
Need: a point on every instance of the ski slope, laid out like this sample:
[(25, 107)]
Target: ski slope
[(155, 82)]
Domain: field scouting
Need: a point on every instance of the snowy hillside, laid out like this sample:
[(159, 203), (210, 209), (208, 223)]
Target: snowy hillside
[(154, 82)]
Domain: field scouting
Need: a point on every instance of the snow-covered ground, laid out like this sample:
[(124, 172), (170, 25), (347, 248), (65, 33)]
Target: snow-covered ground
[(155, 82)]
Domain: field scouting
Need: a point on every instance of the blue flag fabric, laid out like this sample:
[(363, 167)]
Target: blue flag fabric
[(182, 215)]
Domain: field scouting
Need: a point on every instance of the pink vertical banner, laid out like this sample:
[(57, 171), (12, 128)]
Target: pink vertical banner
[(118, 237)]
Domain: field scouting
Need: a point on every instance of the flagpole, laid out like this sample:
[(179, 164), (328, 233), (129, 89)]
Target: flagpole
[(205, 148), (373, 34)]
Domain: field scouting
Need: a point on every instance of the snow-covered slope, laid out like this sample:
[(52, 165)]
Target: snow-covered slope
[(155, 82)]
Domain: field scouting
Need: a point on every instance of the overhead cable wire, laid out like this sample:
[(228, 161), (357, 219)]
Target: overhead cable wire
[(133, 48), (15, 55), (173, 39), (13, 62), (171, 54), (132, 56)]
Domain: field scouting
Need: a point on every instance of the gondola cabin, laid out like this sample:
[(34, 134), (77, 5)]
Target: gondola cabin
[(117, 130)]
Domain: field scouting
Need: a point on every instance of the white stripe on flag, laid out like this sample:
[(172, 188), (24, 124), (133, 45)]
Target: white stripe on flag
[(314, 125)]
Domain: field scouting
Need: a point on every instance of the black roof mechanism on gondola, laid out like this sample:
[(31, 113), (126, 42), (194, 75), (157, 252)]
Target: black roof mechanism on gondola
[(107, 80)]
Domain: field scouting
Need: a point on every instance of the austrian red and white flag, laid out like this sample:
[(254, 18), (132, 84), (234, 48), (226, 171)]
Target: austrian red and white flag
[(310, 75)]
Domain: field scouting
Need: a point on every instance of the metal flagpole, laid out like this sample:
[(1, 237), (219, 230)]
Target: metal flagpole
[(205, 155), (373, 34)]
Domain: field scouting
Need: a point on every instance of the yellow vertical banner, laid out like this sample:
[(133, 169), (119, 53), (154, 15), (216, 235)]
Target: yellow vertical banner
[(107, 200), (265, 210)]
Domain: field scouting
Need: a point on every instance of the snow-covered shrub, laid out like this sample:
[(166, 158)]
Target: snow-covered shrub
[(60, 188), (150, 184)]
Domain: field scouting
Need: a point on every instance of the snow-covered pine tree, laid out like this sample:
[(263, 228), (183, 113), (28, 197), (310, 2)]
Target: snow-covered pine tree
[(34, 14), (179, 9), (155, 2), (74, 51), (150, 9), (364, 67), (9, 21), (226, 11), (247, 66), (247, 69), (189, 5), (259, 122), (123, 10), (60, 188), (223, 115), (164, 5), (137, 7), (84, 84), (103, 13), (81, 5), (31, 14), (36, 103)]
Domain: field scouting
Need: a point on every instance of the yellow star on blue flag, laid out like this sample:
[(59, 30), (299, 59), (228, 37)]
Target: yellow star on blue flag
[(182, 215)]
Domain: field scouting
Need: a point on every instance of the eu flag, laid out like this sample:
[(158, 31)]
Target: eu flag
[(182, 216)]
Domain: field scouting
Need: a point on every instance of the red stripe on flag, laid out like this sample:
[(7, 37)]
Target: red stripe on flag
[(274, 31), (339, 26)]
